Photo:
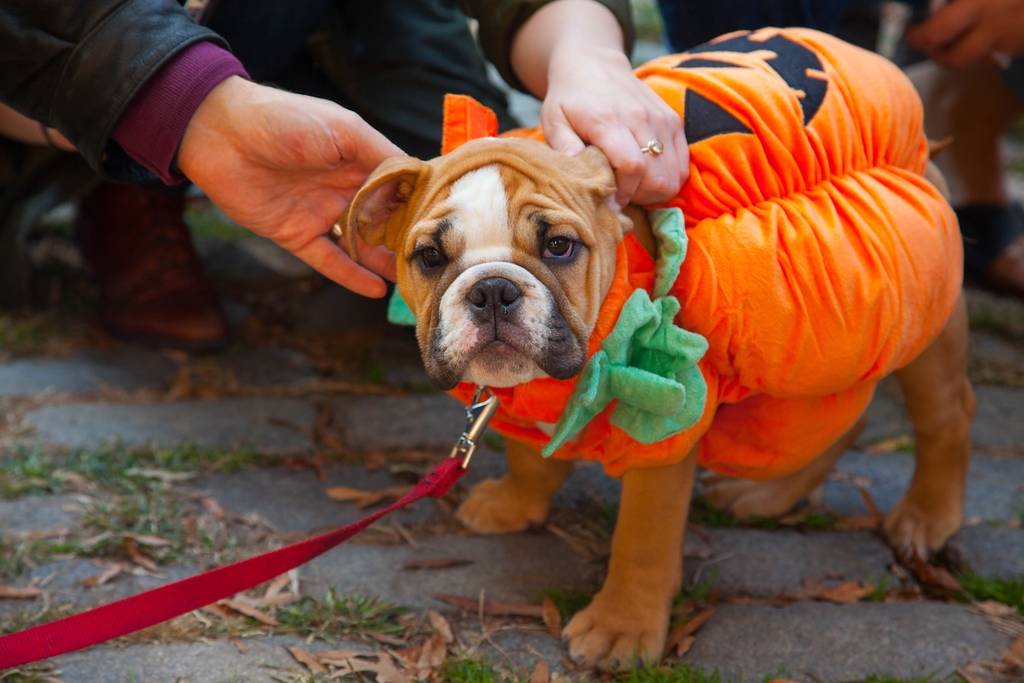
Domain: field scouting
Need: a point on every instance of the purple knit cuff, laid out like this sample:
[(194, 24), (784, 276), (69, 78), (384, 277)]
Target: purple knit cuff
[(151, 128)]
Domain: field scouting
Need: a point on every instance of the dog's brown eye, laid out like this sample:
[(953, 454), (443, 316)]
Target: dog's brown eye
[(431, 258), (559, 248)]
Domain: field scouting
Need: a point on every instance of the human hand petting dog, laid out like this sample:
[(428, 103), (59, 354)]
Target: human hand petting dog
[(286, 166), (965, 32), (570, 53)]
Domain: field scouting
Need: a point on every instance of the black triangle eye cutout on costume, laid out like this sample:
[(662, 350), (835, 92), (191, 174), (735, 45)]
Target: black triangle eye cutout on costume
[(706, 118)]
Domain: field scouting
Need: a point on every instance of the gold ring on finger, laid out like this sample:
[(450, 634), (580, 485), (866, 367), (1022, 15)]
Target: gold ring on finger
[(653, 147)]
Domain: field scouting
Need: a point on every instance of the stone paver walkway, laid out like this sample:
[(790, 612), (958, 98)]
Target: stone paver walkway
[(123, 468)]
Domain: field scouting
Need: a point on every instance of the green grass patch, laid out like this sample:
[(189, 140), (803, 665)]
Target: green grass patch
[(676, 673), (881, 590), (880, 678), (346, 615), (704, 514), (31, 469), (1007, 591), (128, 491), (819, 521), (701, 590), (26, 333), (32, 673), (474, 671), (568, 602), (31, 616)]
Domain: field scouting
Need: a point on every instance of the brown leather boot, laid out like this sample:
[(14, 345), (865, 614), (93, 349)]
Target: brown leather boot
[(152, 286)]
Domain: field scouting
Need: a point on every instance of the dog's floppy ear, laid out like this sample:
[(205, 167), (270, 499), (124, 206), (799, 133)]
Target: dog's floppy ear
[(592, 166), (377, 211)]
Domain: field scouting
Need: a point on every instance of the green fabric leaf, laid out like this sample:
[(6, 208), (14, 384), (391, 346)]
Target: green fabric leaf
[(399, 312), (670, 230), (647, 364)]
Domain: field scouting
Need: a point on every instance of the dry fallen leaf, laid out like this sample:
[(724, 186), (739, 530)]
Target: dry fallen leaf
[(152, 541), (869, 501), (491, 607), (107, 574), (364, 499), (276, 586), (434, 652), (213, 507), (37, 534), (903, 441), (858, 523), (163, 476), (1014, 655), (249, 611), (681, 631), (386, 639), (440, 626), (436, 563), (381, 664), (137, 556), (969, 677), (846, 593), (20, 592), (308, 659), (795, 518), (551, 616), (930, 575), (219, 611), (994, 608), (683, 646), (541, 673)]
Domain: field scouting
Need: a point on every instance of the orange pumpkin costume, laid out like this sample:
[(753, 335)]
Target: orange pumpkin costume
[(820, 259)]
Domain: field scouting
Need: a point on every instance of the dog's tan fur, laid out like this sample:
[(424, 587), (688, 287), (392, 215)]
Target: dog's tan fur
[(629, 616)]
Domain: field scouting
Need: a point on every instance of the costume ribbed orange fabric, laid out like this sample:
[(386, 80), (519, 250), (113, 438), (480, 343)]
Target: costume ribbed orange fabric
[(819, 261)]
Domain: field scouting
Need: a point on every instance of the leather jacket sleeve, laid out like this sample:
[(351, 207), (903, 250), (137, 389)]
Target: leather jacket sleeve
[(500, 20), (76, 66)]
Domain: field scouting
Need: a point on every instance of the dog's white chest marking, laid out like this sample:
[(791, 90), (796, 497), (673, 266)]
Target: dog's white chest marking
[(480, 208)]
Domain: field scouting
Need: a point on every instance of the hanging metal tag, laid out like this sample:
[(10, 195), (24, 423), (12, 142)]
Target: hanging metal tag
[(478, 414)]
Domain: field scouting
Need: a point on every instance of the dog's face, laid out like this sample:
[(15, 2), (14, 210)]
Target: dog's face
[(505, 251)]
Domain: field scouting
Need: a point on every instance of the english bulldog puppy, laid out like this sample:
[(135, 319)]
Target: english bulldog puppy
[(507, 251)]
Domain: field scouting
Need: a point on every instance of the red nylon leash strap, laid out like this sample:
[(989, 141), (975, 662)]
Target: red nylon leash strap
[(154, 606)]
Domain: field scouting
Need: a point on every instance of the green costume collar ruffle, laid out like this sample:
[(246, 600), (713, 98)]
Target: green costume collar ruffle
[(647, 364)]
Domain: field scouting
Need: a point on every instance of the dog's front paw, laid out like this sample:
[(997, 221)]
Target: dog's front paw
[(495, 507), (617, 632), (922, 529)]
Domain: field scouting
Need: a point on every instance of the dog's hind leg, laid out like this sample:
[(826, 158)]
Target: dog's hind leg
[(747, 499), (940, 403), (521, 498)]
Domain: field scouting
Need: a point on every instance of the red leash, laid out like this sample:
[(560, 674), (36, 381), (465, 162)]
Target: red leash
[(146, 609)]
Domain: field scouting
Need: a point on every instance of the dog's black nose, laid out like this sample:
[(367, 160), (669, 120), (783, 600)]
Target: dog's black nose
[(494, 296)]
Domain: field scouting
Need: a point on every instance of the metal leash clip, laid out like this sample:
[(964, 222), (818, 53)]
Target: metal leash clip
[(478, 414)]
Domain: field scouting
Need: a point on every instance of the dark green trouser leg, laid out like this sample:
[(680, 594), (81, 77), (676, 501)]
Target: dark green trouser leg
[(394, 60)]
